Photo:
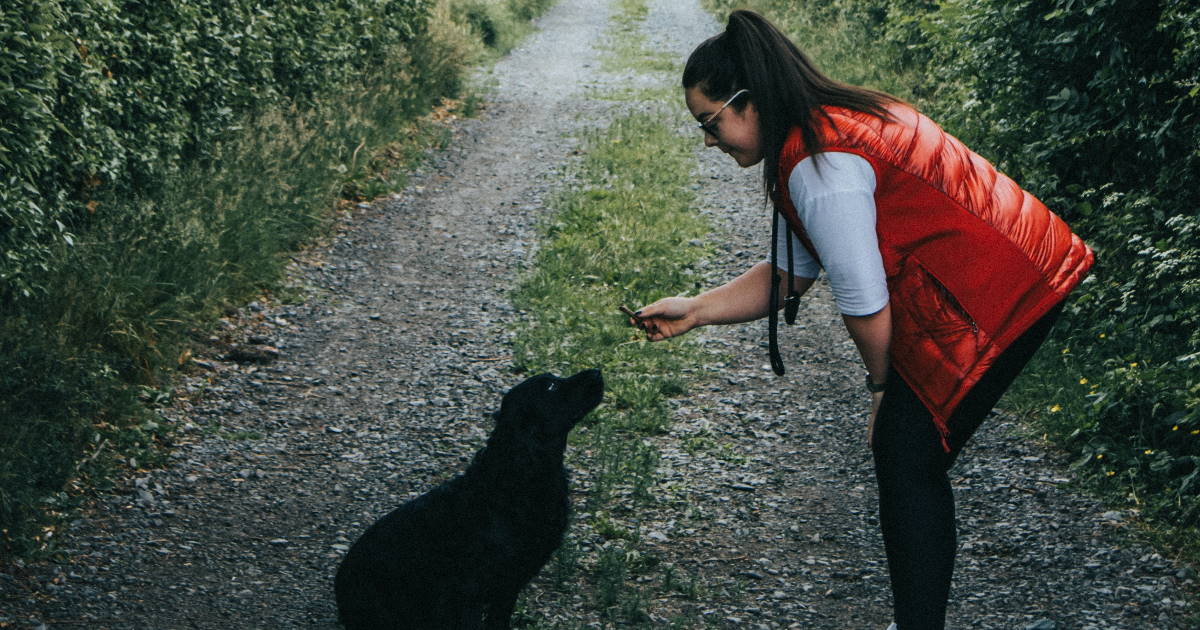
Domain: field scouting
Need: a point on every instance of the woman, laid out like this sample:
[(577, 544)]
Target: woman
[(947, 274)]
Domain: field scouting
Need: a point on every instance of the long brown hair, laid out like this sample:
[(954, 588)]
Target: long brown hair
[(784, 85)]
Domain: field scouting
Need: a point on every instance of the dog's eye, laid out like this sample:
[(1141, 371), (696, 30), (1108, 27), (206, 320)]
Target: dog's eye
[(551, 387)]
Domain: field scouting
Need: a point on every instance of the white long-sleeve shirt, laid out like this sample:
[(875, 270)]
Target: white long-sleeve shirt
[(836, 205)]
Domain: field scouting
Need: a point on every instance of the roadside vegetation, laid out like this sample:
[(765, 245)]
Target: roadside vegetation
[(1095, 108), (160, 165), (625, 232)]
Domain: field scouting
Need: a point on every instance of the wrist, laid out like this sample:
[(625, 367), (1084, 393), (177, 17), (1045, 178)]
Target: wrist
[(698, 308)]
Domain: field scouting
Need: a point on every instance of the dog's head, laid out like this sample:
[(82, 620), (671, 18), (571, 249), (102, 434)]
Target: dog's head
[(548, 406)]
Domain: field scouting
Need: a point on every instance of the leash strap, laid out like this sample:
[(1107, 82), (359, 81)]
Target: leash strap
[(773, 304), (791, 304)]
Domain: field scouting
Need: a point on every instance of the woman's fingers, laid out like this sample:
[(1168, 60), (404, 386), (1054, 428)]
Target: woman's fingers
[(663, 319)]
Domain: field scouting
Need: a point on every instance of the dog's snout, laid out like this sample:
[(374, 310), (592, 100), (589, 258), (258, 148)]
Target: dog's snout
[(589, 376)]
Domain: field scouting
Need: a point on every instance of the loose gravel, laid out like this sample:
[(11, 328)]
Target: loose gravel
[(384, 379)]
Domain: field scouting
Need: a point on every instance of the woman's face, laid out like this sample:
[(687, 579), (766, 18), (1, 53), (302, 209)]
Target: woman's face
[(732, 131)]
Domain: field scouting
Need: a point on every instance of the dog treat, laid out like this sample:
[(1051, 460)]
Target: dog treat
[(628, 311)]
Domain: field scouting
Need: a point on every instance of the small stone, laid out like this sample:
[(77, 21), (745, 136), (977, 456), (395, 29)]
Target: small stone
[(278, 542), (1042, 624)]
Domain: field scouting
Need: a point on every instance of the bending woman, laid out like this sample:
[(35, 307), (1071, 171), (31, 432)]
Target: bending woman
[(948, 275)]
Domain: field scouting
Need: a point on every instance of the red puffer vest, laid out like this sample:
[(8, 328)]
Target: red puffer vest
[(972, 261)]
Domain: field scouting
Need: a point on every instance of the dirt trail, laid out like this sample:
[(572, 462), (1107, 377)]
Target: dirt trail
[(389, 371)]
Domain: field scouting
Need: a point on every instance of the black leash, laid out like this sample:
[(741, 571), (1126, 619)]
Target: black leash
[(791, 304)]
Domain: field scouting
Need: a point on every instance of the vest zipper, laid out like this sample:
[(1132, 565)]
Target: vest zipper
[(949, 297)]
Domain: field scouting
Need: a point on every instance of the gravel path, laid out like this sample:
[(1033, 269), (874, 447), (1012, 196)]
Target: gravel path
[(388, 372)]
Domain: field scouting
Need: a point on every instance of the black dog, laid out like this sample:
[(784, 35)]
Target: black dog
[(464, 550)]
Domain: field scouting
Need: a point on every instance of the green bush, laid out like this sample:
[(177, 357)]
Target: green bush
[(500, 24), (158, 163), (1095, 107), (105, 99)]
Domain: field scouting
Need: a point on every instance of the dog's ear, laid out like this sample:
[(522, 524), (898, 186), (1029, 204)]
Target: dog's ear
[(520, 401)]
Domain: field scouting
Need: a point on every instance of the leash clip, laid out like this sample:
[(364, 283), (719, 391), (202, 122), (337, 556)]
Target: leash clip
[(791, 305)]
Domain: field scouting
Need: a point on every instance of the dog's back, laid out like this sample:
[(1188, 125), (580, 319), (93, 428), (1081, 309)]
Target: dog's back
[(465, 549)]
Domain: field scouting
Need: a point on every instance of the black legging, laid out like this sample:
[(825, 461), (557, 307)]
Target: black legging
[(916, 506)]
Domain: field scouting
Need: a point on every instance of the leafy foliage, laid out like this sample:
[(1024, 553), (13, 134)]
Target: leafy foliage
[(158, 162), (105, 99), (1095, 106)]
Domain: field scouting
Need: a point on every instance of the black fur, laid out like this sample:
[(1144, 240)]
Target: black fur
[(460, 553)]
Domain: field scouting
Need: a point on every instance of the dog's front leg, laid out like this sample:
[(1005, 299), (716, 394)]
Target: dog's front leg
[(471, 617), (500, 610)]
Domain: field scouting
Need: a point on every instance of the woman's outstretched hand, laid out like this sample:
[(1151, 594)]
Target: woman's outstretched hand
[(666, 318)]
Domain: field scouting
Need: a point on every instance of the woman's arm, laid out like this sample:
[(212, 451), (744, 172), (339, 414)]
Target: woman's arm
[(743, 299), (872, 334)]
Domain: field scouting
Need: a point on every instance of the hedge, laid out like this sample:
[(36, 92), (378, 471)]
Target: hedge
[(104, 99), (1095, 106), (159, 164)]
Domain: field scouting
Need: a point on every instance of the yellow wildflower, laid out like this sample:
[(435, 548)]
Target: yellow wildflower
[(1083, 381), (1196, 432), (1133, 365), (1148, 451), (1102, 335), (1056, 409), (1175, 428), (1110, 473), (1099, 455)]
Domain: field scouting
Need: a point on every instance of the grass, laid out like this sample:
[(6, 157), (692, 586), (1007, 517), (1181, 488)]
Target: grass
[(626, 233), (626, 48)]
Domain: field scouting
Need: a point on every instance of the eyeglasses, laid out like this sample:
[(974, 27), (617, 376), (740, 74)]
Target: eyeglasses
[(707, 126)]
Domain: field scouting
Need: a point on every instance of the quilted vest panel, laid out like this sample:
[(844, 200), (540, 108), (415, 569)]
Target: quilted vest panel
[(972, 260)]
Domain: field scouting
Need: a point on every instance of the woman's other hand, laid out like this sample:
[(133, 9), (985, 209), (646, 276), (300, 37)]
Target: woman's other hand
[(666, 318), (876, 399)]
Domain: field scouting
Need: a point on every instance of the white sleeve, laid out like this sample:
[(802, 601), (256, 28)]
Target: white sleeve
[(803, 264), (836, 205)]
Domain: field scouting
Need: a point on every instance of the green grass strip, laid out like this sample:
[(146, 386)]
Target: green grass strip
[(626, 47), (628, 235), (626, 232)]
